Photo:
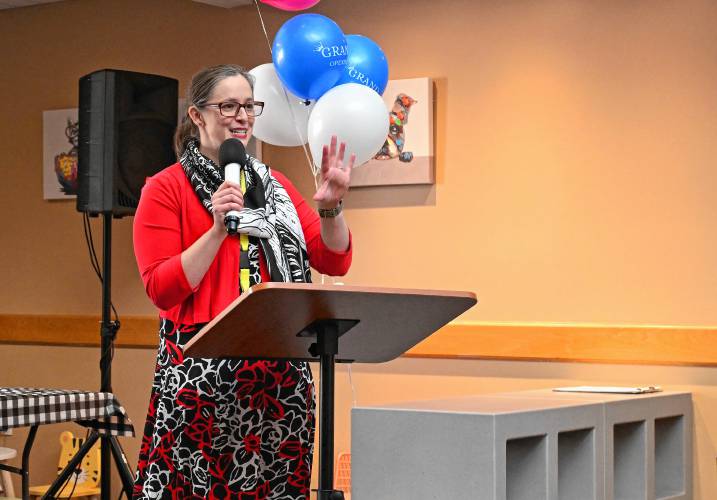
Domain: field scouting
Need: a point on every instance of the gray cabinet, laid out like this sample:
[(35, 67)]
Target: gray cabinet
[(530, 445)]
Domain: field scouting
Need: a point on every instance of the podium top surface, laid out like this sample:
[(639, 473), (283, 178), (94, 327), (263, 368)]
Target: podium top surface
[(267, 321)]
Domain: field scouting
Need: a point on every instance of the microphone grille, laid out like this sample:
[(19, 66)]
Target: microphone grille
[(232, 151)]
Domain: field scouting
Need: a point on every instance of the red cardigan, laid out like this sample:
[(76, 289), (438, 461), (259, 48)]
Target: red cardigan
[(170, 218)]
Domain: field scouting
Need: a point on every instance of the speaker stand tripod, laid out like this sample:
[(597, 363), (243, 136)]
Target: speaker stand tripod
[(110, 446)]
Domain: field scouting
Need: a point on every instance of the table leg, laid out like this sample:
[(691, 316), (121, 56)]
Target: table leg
[(26, 462)]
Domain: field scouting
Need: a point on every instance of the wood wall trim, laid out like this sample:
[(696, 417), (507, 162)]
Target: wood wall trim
[(77, 331), (659, 345)]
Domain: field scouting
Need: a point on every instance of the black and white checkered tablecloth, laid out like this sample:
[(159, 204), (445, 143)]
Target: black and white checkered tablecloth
[(22, 406)]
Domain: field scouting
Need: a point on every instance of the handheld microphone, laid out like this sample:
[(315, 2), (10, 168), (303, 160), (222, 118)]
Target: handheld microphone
[(232, 156)]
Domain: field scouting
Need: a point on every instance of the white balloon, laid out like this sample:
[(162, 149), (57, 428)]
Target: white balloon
[(354, 113), (283, 122)]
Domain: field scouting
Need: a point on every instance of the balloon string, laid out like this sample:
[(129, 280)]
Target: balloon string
[(314, 170), (263, 26), (312, 167)]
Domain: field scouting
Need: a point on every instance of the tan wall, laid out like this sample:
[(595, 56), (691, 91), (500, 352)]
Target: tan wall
[(574, 152)]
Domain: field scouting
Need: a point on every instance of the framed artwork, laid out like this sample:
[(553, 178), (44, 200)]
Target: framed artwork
[(407, 155), (59, 154)]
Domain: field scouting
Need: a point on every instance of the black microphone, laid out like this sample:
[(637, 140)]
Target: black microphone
[(232, 156)]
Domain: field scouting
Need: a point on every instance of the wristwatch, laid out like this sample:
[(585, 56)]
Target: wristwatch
[(328, 213)]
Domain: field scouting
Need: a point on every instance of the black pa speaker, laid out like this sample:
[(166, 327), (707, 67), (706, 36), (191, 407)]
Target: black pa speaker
[(127, 122)]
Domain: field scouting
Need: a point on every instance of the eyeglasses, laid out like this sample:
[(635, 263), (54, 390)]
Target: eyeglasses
[(231, 109)]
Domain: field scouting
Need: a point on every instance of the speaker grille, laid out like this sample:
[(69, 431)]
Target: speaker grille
[(127, 122)]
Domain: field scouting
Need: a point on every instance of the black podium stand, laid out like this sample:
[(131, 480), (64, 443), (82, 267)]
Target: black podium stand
[(306, 322)]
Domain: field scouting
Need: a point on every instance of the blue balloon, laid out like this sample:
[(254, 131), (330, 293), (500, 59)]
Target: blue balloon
[(367, 64), (310, 54)]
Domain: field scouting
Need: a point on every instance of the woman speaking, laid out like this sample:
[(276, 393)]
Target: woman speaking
[(228, 428)]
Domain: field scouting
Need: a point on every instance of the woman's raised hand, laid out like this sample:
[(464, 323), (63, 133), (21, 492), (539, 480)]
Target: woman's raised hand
[(335, 175)]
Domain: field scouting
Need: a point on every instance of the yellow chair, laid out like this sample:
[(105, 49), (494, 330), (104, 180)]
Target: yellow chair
[(86, 483)]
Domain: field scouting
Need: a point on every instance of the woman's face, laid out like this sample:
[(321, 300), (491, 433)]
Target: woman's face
[(214, 128)]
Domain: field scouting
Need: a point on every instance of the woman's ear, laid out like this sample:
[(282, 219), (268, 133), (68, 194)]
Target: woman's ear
[(195, 116)]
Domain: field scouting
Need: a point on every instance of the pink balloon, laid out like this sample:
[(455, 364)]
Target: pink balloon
[(291, 4)]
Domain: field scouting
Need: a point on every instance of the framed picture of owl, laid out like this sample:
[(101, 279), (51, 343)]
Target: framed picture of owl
[(407, 154), (59, 154)]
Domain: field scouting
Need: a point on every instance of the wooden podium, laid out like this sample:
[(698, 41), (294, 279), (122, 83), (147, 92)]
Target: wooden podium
[(306, 322)]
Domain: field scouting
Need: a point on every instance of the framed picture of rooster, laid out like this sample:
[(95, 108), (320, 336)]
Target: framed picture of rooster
[(59, 154), (407, 155)]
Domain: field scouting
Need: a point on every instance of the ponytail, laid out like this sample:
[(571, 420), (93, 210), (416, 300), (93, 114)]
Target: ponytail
[(186, 131)]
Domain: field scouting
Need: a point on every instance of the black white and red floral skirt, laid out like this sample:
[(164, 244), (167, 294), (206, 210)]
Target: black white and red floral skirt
[(225, 429)]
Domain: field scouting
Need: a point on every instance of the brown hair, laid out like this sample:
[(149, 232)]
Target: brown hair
[(199, 91)]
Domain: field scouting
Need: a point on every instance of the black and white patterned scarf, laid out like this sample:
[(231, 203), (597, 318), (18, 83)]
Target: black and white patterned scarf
[(268, 217)]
